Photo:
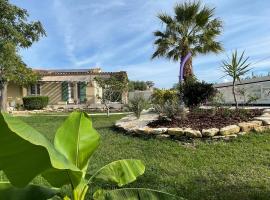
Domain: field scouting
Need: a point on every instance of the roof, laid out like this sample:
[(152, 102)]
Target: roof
[(76, 72), (244, 82), (77, 78)]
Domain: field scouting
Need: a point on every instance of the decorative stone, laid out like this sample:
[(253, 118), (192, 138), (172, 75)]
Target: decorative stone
[(218, 137), (249, 126), (229, 130), (130, 122), (163, 136), (266, 111), (144, 130), (210, 132), (231, 136), (242, 133), (265, 120), (266, 114), (176, 131), (257, 122), (192, 133), (158, 131), (262, 128)]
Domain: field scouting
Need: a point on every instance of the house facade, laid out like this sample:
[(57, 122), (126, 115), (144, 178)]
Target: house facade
[(64, 87), (255, 87)]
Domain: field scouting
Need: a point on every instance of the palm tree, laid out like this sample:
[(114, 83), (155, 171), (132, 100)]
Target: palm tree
[(193, 30), (235, 67)]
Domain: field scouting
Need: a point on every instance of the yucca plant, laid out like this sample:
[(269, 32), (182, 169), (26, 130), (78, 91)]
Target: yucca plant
[(236, 67), (25, 153)]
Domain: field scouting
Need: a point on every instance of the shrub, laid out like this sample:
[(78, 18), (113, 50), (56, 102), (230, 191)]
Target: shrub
[(195, 93), (137, 105), (160, 97), (35, 102), (166, 103)]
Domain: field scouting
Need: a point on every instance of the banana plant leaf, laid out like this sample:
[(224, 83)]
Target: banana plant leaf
[(25, 153), (77, 140), (121, 172), (31, 192), (133, 194)]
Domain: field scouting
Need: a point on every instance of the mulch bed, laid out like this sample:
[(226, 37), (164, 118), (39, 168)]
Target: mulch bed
[(204, 119)]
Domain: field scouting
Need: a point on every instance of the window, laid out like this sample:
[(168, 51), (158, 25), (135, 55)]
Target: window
[(34, 90)]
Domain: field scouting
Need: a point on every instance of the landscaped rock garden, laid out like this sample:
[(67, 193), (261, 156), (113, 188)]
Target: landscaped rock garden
[(202, 123)]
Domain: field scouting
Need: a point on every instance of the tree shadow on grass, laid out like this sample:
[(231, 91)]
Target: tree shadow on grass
[(203, 190)]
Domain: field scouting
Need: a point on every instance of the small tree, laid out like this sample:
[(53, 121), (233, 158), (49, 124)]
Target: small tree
[(236, 67), (16, 32), (112, 89)]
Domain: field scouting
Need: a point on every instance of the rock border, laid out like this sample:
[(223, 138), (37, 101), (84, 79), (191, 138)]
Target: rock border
[(133, 126)]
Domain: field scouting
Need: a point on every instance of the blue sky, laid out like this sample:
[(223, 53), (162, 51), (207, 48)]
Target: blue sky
[(117, 35)]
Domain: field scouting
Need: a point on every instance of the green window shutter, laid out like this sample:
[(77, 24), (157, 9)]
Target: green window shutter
[(65, 91), (82, 91)]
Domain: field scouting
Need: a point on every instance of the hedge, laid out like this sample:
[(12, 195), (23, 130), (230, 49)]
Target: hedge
[(35, 102)]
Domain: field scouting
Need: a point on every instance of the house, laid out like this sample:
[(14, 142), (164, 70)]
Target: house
[(65, 88), (258, 87)]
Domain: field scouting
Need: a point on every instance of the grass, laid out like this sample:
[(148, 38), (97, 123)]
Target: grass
[(207, 171)]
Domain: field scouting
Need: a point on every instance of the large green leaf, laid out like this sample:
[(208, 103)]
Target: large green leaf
[(25, 153), (31, 192), (77, 140), (121, 172), (132, 194)]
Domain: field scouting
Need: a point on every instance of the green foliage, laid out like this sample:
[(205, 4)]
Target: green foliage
[(112, 88), (195, 93), (160, 97), (137, 105), (64, 163), (139, 85), (193, 28), (16, 32), (199, 170), (110, 173), (218, 100), (35, 102), (21, 145), (31, 192), (236, 67), (166, 102)]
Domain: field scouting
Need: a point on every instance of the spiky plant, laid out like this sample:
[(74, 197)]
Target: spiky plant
[(236, 67)]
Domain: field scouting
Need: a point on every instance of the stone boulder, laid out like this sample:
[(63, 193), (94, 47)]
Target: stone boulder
[(249, 126), (192, 133), (241, 133), (218, 137), (158, 131), (176, 131), (266, 111), (264, 119), (210, 132), (163, 136), (131, 124), (260, 129), (229, 130)]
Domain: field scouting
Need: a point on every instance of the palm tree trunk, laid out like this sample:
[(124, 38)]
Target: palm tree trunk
[(234, 94), (3, 99), (188, 70)]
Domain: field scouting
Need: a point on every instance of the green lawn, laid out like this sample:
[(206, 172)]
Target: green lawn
[(234, 170)]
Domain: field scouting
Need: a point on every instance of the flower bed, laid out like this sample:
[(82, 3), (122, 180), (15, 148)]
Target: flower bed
[(202, 124), (205, 118)]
